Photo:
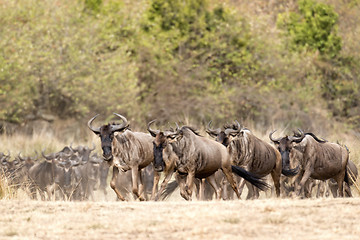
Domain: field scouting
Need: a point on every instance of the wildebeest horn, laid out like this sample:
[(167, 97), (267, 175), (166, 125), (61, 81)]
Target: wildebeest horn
[(21, 158), (212, 132), (177, 127), (297, 139), (120, 127), (172, 133), (275, 140), (151, 131), (48, 157), (71, 147), (233, 130), (238, 124), (95, 130)]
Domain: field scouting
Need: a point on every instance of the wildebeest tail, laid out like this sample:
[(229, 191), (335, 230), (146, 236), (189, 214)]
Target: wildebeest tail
[(347, 178), (250, 177), (290, 172), (170, 188)]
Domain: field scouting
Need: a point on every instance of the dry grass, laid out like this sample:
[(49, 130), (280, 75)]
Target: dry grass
[(287, 219)]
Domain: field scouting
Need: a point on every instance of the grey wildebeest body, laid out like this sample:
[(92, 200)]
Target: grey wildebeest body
[(248, 151), (199, 157), (257, 156), (318, 159), (125, 151)]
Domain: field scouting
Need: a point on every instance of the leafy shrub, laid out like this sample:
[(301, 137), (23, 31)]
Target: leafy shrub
[(314, 27)]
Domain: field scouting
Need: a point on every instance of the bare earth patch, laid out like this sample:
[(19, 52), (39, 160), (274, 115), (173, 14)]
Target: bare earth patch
[(257, 219)]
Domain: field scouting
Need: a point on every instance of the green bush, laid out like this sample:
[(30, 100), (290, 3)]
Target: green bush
[(314, 27)]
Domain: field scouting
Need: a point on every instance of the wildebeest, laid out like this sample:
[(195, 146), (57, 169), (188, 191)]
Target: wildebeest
[(164, 161), (55, 172), (86, 173), (16, 171), (125, 151), (200, 157), (319, 159), (258, 156)]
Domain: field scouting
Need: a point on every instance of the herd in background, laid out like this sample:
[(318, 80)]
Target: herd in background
[(216, 168), (70, 174)]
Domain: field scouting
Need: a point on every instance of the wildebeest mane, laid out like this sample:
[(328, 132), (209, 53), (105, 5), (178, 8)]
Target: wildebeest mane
[(195, 131), (316, 138)]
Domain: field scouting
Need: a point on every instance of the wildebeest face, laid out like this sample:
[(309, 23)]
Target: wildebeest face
[(106, 133), (285, 147), (106, 137), (159, 144), (223, 138)]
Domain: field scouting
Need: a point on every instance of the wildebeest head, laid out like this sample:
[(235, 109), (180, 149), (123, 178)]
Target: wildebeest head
[(160, 142), (223, 136), (285, 145), (106, 134), (83, 151)]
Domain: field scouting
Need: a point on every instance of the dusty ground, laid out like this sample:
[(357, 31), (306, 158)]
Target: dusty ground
[(240, 219)]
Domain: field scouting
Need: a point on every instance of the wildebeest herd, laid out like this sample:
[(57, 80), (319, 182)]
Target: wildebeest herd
[(217, 168)]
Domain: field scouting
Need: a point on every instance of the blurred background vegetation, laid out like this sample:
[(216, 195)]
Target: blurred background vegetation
[(264, 63)]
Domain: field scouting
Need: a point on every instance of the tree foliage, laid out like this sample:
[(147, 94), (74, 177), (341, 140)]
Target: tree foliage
[(313, 27), (171, 60)]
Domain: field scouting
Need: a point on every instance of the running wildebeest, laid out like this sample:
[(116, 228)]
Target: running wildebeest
[(200, 157), (319, 159), (164, 162), (125, 151), (258, 156)]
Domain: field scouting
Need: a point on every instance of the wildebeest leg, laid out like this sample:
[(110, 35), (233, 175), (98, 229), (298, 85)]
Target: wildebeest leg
[(190, 183), (276, 178), (301, 188), (164, 184), (251, 191), (347, 190), (340, 182), (42, 194), (155, 192), (113, 181), (225, 192), (135, 176), (202, 189), (230, 178), (181, 180), (212, 181), (141, 187), (50, 190)]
